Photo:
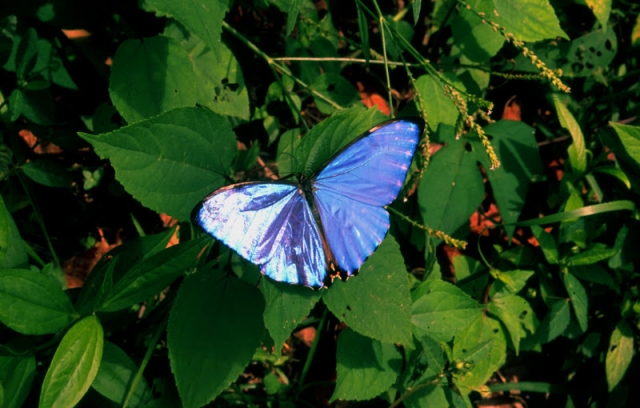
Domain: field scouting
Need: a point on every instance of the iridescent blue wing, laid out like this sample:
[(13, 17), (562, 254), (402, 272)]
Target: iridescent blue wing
[(352, 188), (269, 224)]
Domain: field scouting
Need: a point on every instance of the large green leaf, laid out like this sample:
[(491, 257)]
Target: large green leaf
[(547, 244), (601, 9), (439, 108), (365, 367), (74, 365), (517, 149), (152, 275), (555, 322), (376, 303), (337, 89), (577, 150), (170, 162), (509, 282), (516, 314), (630, 138), (203, 18), (286, 306), (471, 276), (115, 377), (12, 251), (151, 76), (476, 39), (31, 303), (441, 310), (528, 20), (16, 376), (452, 188), (214, 329), (329, 136), (484, 345), (98, 284), (220, 84), (434, 396), (585, 56), (619, 353)]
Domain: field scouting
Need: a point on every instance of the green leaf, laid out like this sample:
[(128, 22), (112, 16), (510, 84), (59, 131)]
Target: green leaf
[(515, 144), (510, 282), (476, 39), (439, 108), (214, 328), (286, 306), (376, 303), (596, 274), (619, 354), (31, 303), (98, 284), (363, 27), (152, 275), (579, 299), (204, 19), (48, 173), (516, 314), (592, 255), (529, 20), (74, 365), (287, 145), (630, 138), (555, 322), (329, 136), (171, 162), (614, 172), (484, 345), (337, 89), (429, 396), (220, 83), (618, 205), (471, 276), (51, 66), (547, 244), (441, 310), (12, 251), (601, 9), (115, 376), (16, 376), (37, 106), (451, 189), (292, 16), (27, 54), (399, 28), (434, 355), (577, 150), (92, 178), (635, 33), (365, 367), (150, 77)]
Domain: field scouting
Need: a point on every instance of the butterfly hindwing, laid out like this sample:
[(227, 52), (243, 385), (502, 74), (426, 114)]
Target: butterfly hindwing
[(351, 190), (269, 224)]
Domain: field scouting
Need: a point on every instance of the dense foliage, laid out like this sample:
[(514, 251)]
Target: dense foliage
[(119, 118)]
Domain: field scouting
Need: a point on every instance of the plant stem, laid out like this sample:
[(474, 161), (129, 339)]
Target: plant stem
[(145, 361), (284, 70), (312, 350), (25, 186)]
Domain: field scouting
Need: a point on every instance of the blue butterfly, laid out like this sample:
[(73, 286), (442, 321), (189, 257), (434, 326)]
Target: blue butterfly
[(333, 219)]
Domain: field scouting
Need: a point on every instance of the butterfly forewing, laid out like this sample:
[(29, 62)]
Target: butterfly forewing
[(352, 188), (269, 224)]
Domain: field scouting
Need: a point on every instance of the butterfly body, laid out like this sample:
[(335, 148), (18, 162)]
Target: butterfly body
[(333, 219)]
